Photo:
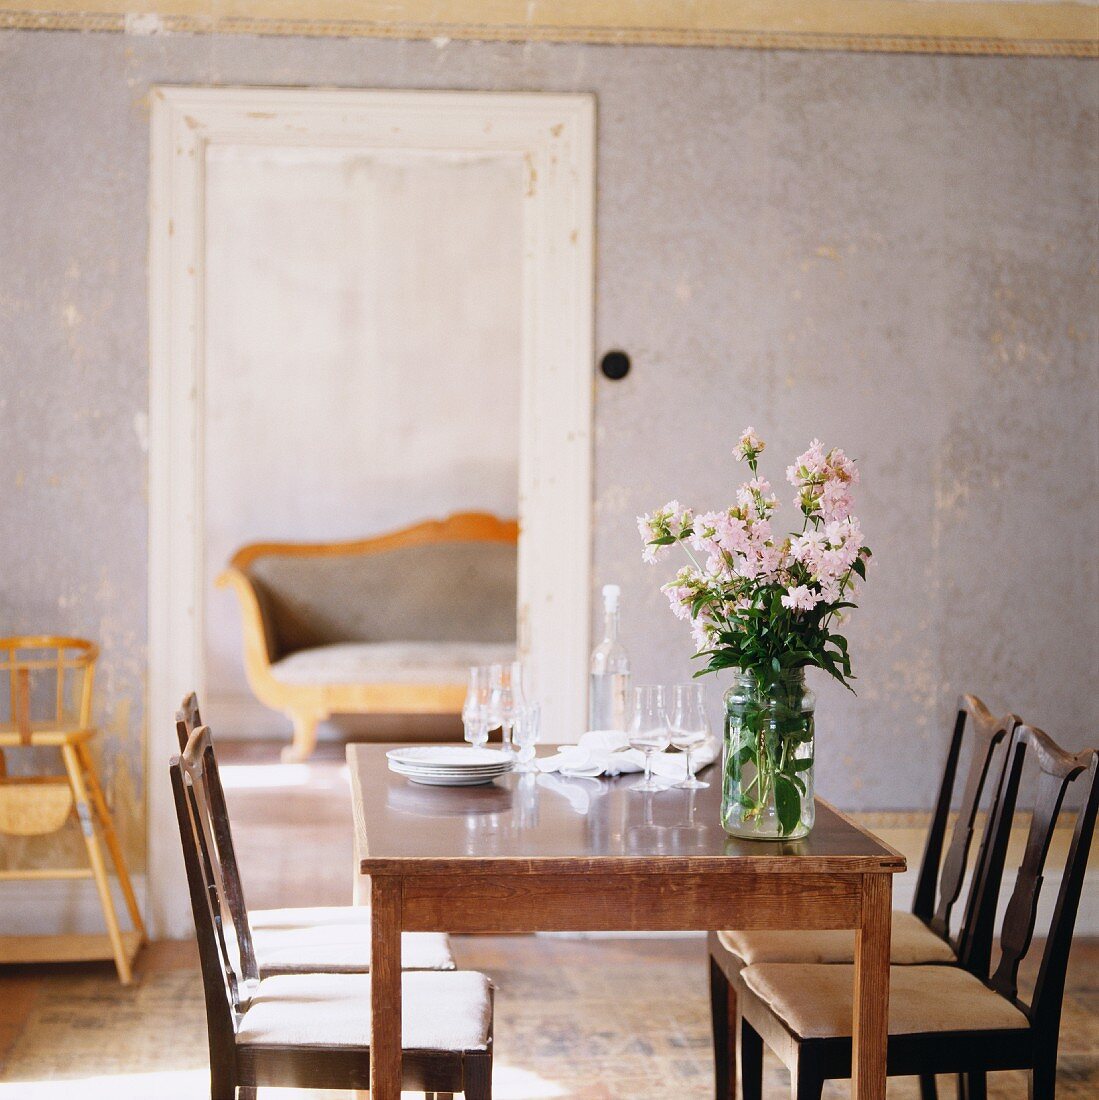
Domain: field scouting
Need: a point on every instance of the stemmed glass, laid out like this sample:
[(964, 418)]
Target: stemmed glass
[(528, 724), (506, 698), (689, 728), (648, 731), (476, 709)]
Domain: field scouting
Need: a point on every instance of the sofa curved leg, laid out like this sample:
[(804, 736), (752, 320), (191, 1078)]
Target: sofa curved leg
[(305, 737)]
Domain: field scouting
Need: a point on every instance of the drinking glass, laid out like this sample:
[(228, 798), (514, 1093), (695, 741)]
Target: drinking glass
[(648, 731), (506, 698), (689, 728), (475, 710), (528, 724)]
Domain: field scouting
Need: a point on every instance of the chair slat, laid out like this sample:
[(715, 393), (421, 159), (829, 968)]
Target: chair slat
[(1057, 770), (986, 733)]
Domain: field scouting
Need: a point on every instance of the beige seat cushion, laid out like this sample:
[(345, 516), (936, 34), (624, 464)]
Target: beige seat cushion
[(912, 943), (450, 1012), (308, 917), (389, 662), (815, 1001), (342, 949)]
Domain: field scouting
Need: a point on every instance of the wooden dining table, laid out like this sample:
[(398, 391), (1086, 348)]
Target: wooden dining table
[(544, 853)]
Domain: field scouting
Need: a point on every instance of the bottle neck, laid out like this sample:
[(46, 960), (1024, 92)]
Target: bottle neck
[(610, 625)]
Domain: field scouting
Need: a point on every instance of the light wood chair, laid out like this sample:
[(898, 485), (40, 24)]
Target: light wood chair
[(314, 940), (50, 684), (920, 937), (385, 625), (313, 1030), (948, 1019)]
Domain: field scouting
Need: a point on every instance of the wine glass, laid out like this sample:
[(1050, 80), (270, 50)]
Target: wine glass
[(475, 710), (528, 724), (648, 731), (506, 698), (689, 728)]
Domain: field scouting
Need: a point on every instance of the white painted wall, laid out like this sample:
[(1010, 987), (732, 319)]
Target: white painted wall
[(363, 349)]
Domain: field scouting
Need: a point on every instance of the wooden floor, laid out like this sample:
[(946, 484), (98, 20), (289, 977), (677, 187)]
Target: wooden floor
[(578, 1018)]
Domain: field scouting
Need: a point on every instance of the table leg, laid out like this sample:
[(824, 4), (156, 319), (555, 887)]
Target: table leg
[(385, 988), (871, 1023)]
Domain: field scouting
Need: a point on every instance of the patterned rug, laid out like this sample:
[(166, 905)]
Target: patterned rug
[(580, 1019)]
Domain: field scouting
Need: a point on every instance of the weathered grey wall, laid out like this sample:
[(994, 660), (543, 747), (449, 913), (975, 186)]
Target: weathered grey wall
[(895, 253)]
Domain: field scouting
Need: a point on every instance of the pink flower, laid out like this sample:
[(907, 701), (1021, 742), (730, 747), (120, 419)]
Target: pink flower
[(835, 500), (667, 522), (800, 598), (749, 445), (806, 547)]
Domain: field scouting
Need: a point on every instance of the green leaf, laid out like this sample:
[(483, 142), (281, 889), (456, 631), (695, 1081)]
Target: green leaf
[(787, 804), (802, 765)]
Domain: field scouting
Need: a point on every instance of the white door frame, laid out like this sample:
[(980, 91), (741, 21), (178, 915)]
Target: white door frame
[(554, 137)]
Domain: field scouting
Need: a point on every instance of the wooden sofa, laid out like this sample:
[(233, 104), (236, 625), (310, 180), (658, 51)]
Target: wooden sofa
[(386, 625)]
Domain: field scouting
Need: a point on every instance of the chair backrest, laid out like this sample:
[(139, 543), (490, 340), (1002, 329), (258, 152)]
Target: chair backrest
[(943, 877), (50, 681), (220, 979), (188, 714), (1057, 771), (214, 844)]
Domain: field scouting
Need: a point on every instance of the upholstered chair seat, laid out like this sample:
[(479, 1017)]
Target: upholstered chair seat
[(912, 943), (816, 1001), (308, 917), (389, 662), (440, 1012), (341, 949)]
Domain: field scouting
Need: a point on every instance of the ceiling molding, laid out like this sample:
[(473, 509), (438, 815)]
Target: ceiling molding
[(1001, 27)]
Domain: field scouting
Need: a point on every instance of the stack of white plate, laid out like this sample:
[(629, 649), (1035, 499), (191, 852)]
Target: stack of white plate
[(449, 765)]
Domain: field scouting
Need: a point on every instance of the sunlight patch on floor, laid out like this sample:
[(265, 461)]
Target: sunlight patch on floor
[(255, 777), (513, 1083)]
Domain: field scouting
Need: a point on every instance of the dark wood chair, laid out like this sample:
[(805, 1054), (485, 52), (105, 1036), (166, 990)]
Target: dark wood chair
[(313, 1030), (920, 937), (326, 939), (947, 1019)]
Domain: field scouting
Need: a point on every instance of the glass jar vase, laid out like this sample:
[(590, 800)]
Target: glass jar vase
[(767, 788)]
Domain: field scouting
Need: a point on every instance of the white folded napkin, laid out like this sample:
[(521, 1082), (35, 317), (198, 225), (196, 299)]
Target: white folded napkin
[(607, 752)]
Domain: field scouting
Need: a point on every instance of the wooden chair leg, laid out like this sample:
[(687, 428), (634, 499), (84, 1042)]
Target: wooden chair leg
[(723, 1018), (478, 1076), (110, 837), (95, 858), (928, 1089), (806, 1082), (305, 737), (750, 1061), (973, 1086), (1043, 1079)]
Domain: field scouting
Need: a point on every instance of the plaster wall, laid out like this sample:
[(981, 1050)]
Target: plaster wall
[(895, 253)]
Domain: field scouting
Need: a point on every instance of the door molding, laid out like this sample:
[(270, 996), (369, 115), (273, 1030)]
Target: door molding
[(554, 136)]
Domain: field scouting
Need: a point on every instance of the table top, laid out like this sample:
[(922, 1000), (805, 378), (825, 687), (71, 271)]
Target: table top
[(536, 823)]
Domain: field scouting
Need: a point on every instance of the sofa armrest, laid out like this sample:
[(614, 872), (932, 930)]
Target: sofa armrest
[(260, 638)]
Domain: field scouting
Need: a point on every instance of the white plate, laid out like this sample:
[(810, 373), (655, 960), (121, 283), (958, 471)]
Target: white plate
[(412, 769), (449, 756), (450, 780)]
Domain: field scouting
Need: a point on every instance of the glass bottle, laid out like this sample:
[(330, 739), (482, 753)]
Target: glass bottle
[(610, 671)]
